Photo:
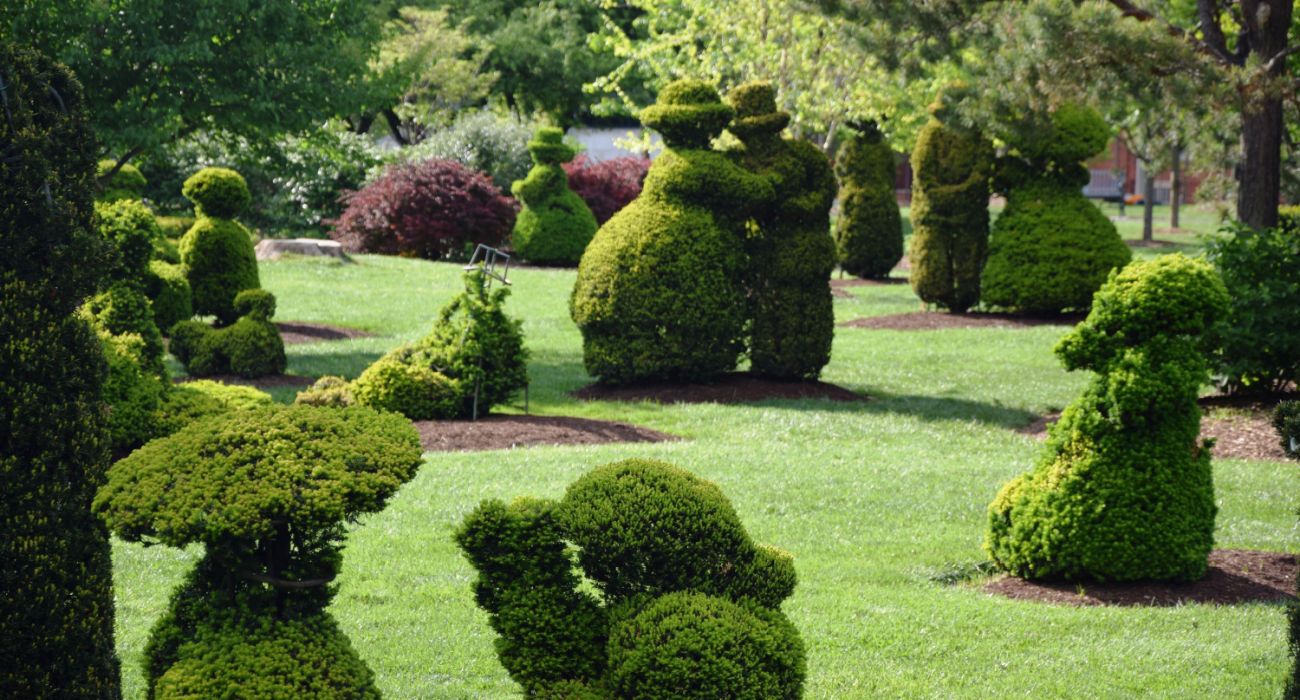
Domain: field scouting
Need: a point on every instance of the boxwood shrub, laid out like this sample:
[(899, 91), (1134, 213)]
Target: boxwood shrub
[(251, 347), (869, 232), (554, 225)]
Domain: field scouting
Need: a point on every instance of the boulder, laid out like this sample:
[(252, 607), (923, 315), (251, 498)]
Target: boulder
[(274, 248)]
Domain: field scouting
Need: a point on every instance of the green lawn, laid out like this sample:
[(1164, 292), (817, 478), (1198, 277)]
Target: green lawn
[(878, 501)]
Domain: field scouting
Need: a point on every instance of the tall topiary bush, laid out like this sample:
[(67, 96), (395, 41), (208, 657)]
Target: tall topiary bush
[(791, 252), (554, 226), (685, 604), (267, 492), (217, 252), (1123, 490), (1051, 248), (56, 601), (659, 293), (869, 232)]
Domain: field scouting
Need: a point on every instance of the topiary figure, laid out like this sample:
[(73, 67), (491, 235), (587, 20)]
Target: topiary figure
[(123, 307), (251, 347), (56, 596), (685, 604), (791, 251), (659, 294), (217, 252), (555, 225), (267, 491), (950, 202), (1051, 248), (869, 232), (1123, 490), (127, 183), (134, 395)]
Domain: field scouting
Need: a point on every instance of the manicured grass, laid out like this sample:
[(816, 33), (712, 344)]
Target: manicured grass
[(878, 502)]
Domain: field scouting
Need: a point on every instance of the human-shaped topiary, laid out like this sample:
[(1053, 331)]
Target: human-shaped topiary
[(659, 294), (1051, 248), (869, 232), (685, 604), (1123, 490), (950, 201), (250, 347), (791, 252), (555, 225), (267, 492), (123, 306), (127, 183), (217, 252)]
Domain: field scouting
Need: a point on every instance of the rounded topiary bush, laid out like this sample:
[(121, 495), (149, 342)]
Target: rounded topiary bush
[(607, 185), (415, 391), (330, 391), (126, 184), (219, 263), (196, 400), (554, 226), (169, 294), (218, 193), (1123, 490), (869, 232)]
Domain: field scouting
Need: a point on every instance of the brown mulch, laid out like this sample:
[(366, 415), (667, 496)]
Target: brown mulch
[(1234, 576), (936, 320), (734, 387), (860, 282), (297, 332), (1150, 244), (495, 432), (274, 381)]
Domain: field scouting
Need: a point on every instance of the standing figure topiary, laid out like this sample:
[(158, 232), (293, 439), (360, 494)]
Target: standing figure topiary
[(1051, 248), (950, 211), (869, 233), (685, 606), (56, 596), (791, 252), (1124, 491), (267, 491), (659, 294), (555, 225), (217, 252)]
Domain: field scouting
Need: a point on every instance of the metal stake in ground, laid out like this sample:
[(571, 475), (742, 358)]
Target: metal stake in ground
[(485, 260)]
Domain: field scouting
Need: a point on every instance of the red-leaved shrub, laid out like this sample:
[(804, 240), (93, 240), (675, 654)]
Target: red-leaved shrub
[(608, 185), (429, 209)]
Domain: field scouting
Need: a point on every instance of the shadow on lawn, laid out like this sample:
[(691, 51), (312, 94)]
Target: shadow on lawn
[(929, 408), (343, 364)]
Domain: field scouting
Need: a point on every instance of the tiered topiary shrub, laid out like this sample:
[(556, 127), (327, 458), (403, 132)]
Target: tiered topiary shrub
[(554, 226), (950, 211), (1051, 248), (56, 598), (217, 251), (250, 347), (869, 232), (1123, 491), (607, 185), (127, 183), (659, 294), (791, 252), (267, 492), (685, 604)]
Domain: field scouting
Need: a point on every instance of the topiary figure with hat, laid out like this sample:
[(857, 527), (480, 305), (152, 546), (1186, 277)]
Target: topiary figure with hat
[(869, 231), (659, 293), (790, 247), (555, 225), (217, 251)]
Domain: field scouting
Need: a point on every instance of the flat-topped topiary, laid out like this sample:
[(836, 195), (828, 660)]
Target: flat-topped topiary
[(217, 252), (869, 231), (555, 225)]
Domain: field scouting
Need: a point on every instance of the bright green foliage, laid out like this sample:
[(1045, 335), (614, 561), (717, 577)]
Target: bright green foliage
[(219, 263), (555, 225), (123, 308), (659, 293), (133, 394), (131, 228), (126, 184), (415, 391), (869, 232), (1286, 420), (1123, 490), (196, 400), (169, 294), (950, 221), (1051, 248), (687, 605), (334, 392), (217, 193), (250, 347), (791, 251), (56, 600)]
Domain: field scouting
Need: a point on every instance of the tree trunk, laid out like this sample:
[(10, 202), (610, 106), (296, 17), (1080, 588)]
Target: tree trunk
[(1176, 187), (1259, 179), (1148, 203)]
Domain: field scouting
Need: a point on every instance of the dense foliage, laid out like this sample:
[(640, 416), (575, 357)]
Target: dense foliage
[(554, 224), (607, 185), (169, 294), (394, 384), (126, 183), (686, 605), (249, 347), (217, 252), (56, 597), (1123, 490), (869, 232), (432, 209), (480, 140), (1286, 420)]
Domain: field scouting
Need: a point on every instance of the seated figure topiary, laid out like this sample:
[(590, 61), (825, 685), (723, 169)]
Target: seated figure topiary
[(217, 252), (251, 347), (791, 252), (1051, 248), (1123, 490), (267, 492), (127, 183), (869, 232), (660, 294), (685, 606), (555, 225)]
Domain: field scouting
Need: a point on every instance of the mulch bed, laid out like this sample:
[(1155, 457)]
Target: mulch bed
[(937, 320), (274, 381), (495, 432), (298, 333), (735, 387), (1234, 576)]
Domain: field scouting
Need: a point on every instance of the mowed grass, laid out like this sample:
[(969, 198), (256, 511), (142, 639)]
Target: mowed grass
[(878, 501)]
